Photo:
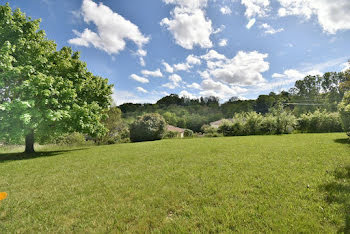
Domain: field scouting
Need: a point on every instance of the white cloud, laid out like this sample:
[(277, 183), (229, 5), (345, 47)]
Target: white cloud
[(187, 94), (122, 96), (181, 67), (212, 55), (175, 81), (223, 42), (331, 15), (141, 90), (268, 29), (156, 73), (220, 29), (191, 4), (139, 78), (190, 27), (175, 78), (168, 68), (218, 89), (256, 8), (194, 86), (290, 74), (225, 10), (112, 30), (243, 69), (191, 59), (250, 23), (346, 66), (142, 62)]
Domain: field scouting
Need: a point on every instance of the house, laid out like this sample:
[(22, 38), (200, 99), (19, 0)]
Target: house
[(180, 131), (217, 124)]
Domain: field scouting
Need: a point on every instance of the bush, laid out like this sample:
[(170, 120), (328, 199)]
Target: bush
[(318, 122), (207, 129), (188, 133), (232, 129), (170, 134), (279, 121), (344, 111), (148, 127), (74, 138), (285, 121)]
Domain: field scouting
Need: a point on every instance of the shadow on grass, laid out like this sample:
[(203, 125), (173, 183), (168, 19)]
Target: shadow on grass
[(342, 141), (338, 191), (23, 156)]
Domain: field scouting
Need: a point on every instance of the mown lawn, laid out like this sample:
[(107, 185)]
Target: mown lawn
[(290, 183)]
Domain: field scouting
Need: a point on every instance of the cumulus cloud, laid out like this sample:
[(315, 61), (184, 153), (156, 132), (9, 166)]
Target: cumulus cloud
[(156, 73), (191, 4), (187, 94), (243, 69), (191, 59), (213, 55), (190, 27), (256, 8), (223, 42), (331, 15), (268, 29), (225, 10), (141, 90), (218, 89), (250, 23), (168, 68), (112, 30), (194, 86), (139, 78), (181, 67), (175, 81), (122, 96)]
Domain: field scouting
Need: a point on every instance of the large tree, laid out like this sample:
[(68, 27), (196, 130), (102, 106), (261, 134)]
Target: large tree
[(43, 91)]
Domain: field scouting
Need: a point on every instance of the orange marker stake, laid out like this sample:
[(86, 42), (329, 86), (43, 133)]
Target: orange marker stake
[(3, 196)]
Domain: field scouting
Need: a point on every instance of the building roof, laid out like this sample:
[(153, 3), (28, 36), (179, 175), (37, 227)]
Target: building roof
[(175, 129), (219, 122)]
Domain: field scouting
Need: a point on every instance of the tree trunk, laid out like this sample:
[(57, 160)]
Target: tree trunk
[(30, 142)]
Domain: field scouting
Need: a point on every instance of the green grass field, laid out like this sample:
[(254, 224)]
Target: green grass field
[(290, 183)]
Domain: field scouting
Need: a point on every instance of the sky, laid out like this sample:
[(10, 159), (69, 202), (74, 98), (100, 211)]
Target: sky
[(223, 48)]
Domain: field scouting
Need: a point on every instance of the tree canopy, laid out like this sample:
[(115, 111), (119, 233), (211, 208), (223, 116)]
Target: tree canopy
[(44, 91)]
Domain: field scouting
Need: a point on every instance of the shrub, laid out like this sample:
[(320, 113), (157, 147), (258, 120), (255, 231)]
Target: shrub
[(269, 125), (188, 133), (147, 127), (320, 122), (170, 134), (207, 129), (74, 138), (279, 121), (253, 121), (232, 129), (344, 111), (285, 121)]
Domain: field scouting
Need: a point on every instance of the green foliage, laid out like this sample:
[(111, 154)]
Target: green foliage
[(147, 127), (279, 121), (71, 139), (285, 120), (44, 90), (320, 121), (118, 130), (207, 129), (170, 134), (188, 133), (344, 110)]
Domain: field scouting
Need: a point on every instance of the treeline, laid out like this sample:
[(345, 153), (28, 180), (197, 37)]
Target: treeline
[(316, 104), (308, 95)]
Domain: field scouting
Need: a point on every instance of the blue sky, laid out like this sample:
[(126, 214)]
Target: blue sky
[(225, 48)]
